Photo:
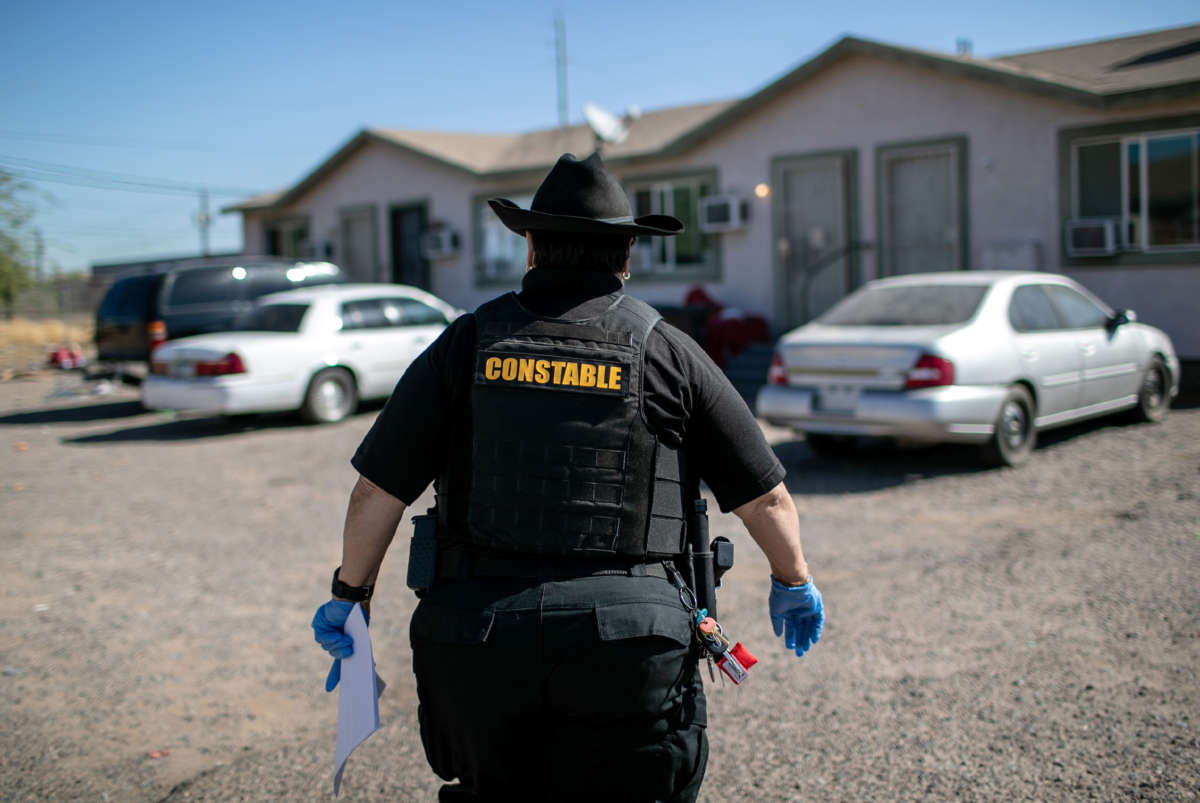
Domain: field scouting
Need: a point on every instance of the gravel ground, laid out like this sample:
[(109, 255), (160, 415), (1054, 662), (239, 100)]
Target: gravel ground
[(992, 634)]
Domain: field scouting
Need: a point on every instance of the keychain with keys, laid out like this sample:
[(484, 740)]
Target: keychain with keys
[(735, 661)]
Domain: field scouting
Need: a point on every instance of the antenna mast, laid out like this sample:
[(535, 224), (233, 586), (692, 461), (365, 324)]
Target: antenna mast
[(560, 60)]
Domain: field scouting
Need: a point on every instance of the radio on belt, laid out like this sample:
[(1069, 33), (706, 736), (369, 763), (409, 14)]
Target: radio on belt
[(734, 661)]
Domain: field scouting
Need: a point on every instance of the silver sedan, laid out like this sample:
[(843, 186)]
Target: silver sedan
[(969, 357)]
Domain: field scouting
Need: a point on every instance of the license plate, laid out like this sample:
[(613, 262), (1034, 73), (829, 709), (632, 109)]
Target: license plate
[(837, 398), (182, 370)]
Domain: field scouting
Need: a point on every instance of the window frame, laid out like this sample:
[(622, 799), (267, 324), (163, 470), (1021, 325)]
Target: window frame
[(711, 270), (1124, 133), (479, 211)]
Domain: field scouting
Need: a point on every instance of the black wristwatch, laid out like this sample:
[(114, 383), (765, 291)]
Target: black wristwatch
[(352, 593)]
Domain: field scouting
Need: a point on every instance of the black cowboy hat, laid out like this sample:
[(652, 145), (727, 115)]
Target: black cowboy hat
[(580, 196)]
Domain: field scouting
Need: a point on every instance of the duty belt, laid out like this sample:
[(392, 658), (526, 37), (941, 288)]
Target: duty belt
[(462, 564)]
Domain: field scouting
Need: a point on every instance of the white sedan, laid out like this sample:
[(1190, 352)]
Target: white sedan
[(966, 356), (317, 350)]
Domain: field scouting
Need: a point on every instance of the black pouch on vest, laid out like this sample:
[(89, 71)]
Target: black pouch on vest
[(422, 553)]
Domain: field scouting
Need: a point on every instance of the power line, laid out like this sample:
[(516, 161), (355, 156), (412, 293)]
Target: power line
[(98, 179), (113, 142)]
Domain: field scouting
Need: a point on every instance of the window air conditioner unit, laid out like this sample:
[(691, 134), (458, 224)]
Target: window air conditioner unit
[(440, 243), (723, 213), (1091, 237)]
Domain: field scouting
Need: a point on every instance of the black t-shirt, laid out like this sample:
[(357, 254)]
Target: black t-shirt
[(687, 400)]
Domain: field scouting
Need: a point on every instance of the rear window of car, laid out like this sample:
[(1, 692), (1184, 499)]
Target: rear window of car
[(207, 286), (273, 318), (907, 305), (130, 297), (276, 278)]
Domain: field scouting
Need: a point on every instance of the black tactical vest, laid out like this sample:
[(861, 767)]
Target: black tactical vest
[(563, 462)]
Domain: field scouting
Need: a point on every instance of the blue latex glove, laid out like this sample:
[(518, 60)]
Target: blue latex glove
[(328, 627), (797, 614)]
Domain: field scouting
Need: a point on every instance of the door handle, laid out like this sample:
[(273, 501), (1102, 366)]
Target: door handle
[(1088, 349), (1029, 354)]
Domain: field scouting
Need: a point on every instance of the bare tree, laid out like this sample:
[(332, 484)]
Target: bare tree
[(15, 260)]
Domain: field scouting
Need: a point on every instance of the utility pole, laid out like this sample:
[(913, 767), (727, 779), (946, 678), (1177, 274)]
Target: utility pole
[(560, 54), (204, 221)]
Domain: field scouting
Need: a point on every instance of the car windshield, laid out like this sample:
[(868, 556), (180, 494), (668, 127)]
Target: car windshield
[(907, 305), (273, 318)]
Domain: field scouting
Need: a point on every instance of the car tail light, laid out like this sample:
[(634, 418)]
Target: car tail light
[(229, 364), (159, 367), (157, 332), (777, 374), (930, 372)]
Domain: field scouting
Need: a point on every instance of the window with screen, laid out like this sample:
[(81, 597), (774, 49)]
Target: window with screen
[(1147, 183), (690, 254), (499, 252)]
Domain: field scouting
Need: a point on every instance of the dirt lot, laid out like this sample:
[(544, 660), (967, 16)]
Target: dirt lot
[(1015, 634)]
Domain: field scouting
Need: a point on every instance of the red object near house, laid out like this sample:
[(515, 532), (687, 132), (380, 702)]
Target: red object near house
[(727, 330), (63, 357)]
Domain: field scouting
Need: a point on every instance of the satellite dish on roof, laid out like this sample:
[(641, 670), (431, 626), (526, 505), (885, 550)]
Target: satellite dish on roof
[(605, 125)]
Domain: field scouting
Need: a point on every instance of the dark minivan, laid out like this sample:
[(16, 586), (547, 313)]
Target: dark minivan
[(139, 312)]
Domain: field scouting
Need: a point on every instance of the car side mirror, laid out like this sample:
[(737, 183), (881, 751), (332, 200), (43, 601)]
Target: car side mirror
[(1120, 318)]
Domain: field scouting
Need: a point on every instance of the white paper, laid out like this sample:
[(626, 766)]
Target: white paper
[(358, 695)]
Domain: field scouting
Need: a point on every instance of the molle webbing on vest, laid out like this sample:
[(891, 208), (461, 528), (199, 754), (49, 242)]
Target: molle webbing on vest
[(668, 509), (562, 455)]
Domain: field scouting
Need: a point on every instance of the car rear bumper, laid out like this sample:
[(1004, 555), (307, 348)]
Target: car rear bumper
[(958, 413), (220, 394)]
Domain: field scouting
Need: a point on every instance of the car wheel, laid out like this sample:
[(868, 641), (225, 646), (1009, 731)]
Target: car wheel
[(831, 445), (1014, 435), (1154, 396), (331, 397)]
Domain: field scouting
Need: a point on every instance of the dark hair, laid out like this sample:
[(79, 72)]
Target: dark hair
[(603, 253)]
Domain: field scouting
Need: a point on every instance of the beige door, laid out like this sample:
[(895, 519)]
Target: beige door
[(921, 208), (813, 234)]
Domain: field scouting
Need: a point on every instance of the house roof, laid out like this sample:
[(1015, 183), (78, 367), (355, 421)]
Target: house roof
[(1108, 66), (1109, 72)]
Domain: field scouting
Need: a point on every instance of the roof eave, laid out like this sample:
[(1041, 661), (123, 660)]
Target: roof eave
[(332, 162)]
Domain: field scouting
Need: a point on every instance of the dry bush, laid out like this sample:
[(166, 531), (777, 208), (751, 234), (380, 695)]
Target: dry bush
[(24, 332)]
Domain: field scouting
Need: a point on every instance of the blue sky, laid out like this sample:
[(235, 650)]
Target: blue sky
[(252, 95)]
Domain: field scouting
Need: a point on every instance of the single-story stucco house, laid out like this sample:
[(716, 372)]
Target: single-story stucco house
[(868, 160)]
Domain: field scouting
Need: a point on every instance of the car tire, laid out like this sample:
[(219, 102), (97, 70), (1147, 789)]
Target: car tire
[(1014, 435), (1154, 394), (831, 445), (331, 397)]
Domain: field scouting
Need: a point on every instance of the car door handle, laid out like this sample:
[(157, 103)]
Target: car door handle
[(1029, 354), (1088, 349), (356, 346)]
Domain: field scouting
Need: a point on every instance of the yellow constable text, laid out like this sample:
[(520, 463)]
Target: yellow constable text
[(563, 373)]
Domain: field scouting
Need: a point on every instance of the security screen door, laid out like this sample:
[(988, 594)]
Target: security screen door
[(408, 265), (921, 208), (812, 211)]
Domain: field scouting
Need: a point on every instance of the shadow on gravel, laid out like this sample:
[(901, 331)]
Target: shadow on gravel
[(75, 415), (199, 428), (878, 463), (873, 466)]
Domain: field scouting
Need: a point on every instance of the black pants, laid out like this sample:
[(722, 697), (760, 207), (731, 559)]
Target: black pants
[(583, 689)]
